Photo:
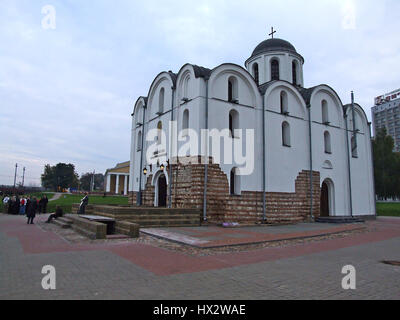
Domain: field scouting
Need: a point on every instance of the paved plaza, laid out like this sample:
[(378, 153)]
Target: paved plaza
[(143, 270)]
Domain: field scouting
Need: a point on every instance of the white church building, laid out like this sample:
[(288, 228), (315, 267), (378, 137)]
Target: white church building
[(311, 154)]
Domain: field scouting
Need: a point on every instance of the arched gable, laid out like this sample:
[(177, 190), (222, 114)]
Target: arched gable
[(361, 118), (248, 93), (296, 104), (334, 105), (166, 81), (184, 83), (138, 110)]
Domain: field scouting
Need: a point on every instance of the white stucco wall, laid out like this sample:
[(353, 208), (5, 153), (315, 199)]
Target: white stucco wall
[(283, 164)]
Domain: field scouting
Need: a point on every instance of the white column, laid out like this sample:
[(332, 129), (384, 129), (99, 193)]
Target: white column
[(108, 188), (116, 183), (126, 185)]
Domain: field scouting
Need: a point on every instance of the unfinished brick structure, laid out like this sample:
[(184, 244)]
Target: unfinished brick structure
[(188, 192)]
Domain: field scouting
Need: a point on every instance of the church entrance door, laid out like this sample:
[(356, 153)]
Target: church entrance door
[(324, 200), (162, 191)]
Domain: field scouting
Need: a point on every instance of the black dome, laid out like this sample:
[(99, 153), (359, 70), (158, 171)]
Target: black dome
[(273, 45)]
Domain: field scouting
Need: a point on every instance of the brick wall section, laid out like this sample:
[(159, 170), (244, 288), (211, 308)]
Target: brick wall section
[(188, 189), (132, 198), (148, 193)]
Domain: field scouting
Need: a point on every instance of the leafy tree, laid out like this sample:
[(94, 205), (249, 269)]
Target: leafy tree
[(60, 176), (86, 180), (386, 166)]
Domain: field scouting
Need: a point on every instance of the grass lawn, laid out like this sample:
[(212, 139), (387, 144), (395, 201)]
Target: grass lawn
[(388, 209), (66, 201)]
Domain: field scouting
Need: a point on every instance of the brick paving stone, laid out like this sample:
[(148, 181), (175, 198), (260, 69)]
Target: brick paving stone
[(124, 270)]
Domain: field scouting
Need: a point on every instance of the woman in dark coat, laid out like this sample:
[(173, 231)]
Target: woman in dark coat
[(17, 204), (31, 208)]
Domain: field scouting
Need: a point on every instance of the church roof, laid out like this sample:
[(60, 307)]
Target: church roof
[(306, 94), (201, 72), (274, 45)]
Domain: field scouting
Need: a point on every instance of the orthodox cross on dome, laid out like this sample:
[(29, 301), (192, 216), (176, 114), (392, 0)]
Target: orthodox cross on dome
[(272, 32)]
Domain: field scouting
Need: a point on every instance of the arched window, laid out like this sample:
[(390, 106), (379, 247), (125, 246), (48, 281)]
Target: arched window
[(139, 141), (159, 132), (274, 69), (294, 72), (284, 103), (233, 90), (186, 88), (325, 114), (139, 116), (256, 73), (354, 149), (185, 122), (327, 142), (234, 182), (286, 134), (233, 122), (161, 101)]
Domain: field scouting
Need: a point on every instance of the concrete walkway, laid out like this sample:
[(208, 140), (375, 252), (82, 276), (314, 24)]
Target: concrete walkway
[(214, 237), (139, 270)]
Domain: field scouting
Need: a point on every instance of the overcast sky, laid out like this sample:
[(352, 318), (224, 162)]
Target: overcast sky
[(67, 94)]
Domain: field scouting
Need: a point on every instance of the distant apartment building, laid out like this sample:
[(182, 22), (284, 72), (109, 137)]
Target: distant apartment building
[(386, 114)]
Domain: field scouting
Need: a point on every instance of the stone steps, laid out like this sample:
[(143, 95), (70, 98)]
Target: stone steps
[(163, 217), (61, 224), (166, 223)]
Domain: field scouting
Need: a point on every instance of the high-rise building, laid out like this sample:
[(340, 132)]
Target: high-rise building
[(386, 114)]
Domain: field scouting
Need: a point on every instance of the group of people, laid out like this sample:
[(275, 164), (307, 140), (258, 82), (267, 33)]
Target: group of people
[(29, 206), (16, 205)]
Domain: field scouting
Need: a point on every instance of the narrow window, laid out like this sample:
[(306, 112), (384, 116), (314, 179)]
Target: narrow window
[(233, 122), (230, 90), (161, 101), (233, 90), (159, 132), (185, 122), (139, 141), (256, 73), (284, 103), (274, 69), (327, 141), (186, 89), (294, 72), (354, 151), (325, 115), (139, 116), (286, 134)]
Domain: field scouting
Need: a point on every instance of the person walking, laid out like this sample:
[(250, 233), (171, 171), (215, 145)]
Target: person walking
[(31, 211)]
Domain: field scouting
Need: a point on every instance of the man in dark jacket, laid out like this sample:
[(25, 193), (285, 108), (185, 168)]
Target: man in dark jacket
[(59, 213), (31, 208), (84, 203), (44, 204)]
